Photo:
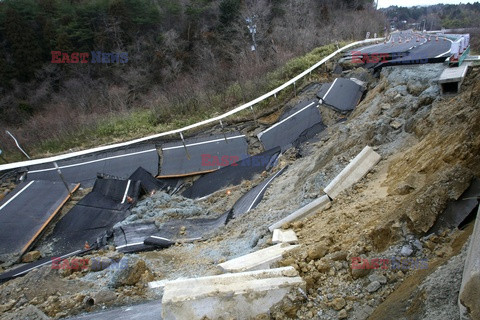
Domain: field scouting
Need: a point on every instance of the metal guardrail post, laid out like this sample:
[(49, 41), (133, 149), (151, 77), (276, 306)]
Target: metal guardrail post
[(185, 146), (223, 131), (254, 116), (62, 178)]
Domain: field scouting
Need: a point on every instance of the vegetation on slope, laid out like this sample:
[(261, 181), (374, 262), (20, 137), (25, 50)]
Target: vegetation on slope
[(186, 60)]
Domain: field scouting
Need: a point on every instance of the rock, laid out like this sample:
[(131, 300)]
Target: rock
[(342, 314), (284, 263), (362, 313), (7, 306), (309, 281), (322, 266), (317, 252), (29, 312), (415, 88), (104, 296), (373, 286), (417, 244), (406, 251), (360, 273), (21, 302), (129, 273), (290, 273), (31, 256), (396, 124), (403, 188), (338, 303), (339, 256), (430, 245), (377, 277)]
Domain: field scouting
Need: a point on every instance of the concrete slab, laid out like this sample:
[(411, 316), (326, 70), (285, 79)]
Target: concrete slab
[(238, 296), (342, 95), (284, 236), (26, 212), (285, 132), (472, 59), (454, 73), (469, 295), (258, 260), (149, 310), (84, 170), (452, 78), (311, 208), (202, 154), (353, 172)]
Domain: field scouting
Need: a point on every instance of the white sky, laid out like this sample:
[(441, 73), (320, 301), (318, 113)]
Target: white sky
[(410, 3)]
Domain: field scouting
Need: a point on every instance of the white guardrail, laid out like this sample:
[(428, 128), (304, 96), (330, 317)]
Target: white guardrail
[(21, 164)]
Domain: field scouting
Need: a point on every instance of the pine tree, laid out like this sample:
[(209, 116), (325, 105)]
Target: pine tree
[(23, 44)]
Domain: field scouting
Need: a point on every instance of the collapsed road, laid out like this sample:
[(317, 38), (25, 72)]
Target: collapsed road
[(218, 189)]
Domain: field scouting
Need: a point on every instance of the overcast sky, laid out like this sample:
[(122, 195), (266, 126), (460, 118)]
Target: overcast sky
[(410, 3)]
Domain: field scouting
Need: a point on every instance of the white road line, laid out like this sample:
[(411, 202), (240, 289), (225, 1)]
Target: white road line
[(93, 161), (16, 195), (203, 142), (50, 261), (280, 122), (328, 91), (445, 51), (126, 191), (130, 245), (441, 54), (160, 238), (265, 186)]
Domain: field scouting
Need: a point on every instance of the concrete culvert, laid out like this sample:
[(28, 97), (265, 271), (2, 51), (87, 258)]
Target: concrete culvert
[(89, 301)]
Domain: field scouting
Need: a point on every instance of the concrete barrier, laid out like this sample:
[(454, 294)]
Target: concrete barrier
[(228, 296), (469, 296), (303, 212), (353, 172), (258, 260), (284, 236)]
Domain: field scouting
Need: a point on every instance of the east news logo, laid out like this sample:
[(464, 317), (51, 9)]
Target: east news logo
[(83, 57)]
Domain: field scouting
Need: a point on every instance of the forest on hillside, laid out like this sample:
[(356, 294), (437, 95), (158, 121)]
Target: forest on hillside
[(437, 16), (181, 56)]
